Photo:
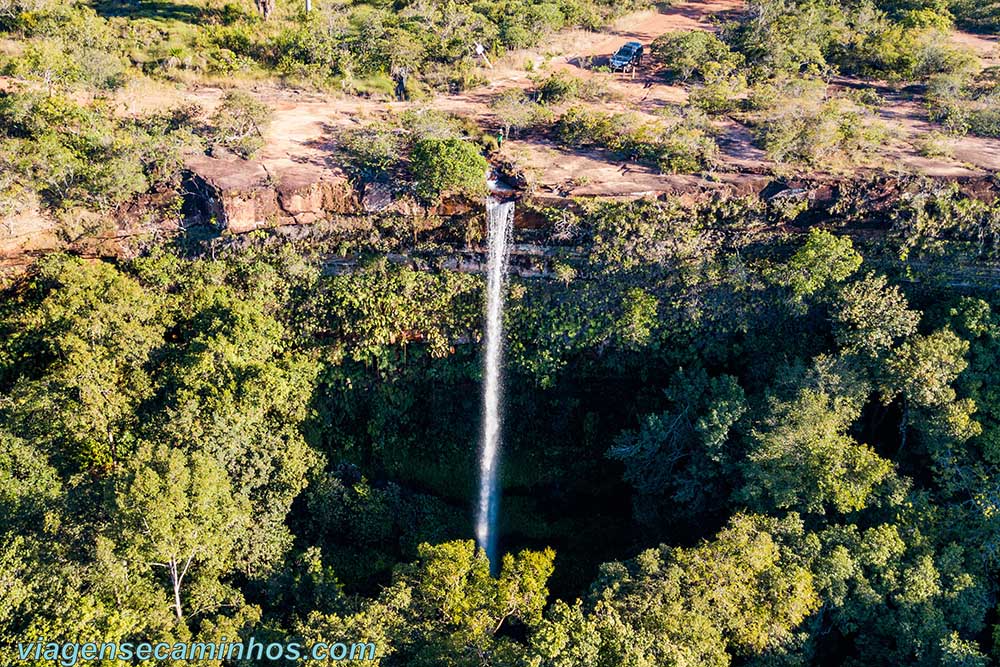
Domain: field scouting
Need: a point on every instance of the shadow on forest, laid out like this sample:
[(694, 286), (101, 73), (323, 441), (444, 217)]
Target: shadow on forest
[(163, 10)]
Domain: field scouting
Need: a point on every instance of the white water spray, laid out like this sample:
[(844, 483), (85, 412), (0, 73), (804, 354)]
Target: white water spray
[(500, 220)]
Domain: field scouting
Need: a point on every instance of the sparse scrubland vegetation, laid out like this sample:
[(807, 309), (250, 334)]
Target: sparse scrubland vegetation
[(751, 425), (677, 145), (73, 154)]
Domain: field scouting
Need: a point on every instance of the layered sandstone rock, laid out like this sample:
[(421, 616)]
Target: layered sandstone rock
[(27, 232), (243, 195)]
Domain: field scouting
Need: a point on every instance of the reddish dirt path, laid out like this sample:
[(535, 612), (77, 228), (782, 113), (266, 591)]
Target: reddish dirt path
[(302, 130), (647, 26), (304, 124), (987, 47), (581, 49)]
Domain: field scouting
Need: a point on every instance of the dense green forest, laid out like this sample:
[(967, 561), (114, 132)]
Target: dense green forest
[(742, 428), (808, 432)]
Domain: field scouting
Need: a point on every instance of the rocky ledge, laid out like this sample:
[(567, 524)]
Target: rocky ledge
[(242, 195)]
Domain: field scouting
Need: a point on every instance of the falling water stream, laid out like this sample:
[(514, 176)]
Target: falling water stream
[(500, 220)]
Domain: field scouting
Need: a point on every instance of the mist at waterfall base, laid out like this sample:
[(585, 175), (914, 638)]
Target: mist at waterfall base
[(500, 223)]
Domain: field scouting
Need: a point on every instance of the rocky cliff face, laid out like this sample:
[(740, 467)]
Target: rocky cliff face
[(24, 234), (237, 196), (243, 195)]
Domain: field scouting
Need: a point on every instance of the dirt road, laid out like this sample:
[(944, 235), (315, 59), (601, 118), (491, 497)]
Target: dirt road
[(305, 124)]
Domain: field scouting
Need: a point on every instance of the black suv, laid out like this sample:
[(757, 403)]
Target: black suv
[(628, 57)]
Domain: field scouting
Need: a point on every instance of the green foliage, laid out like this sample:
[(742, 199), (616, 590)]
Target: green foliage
[(355, 45), (558, 87), (829, 134), (924, 368), (458, 608), (682, 146), (939, 222), (361, 526), (822, 474), (865, 38), (446, 609), (67, 46), (178, 513), (723, 91), (906, 597), (29, 485), (792, 37), (964, 104), (94, 330), (822, 260), (240, 122), (975, 15), (804, 459), (738, 593), (678, 460), (385, 306), (373, 153), (869, 315), (694, 54), (82, 155), (447, 166), (915, 47), (56, 66), (516, 111)]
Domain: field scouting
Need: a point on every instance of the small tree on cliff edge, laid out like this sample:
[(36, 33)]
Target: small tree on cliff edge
[(442, 166)]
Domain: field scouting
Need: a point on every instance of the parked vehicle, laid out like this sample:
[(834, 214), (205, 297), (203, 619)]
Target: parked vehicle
[(628, 57)]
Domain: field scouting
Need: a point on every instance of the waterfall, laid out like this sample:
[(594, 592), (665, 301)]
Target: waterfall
[(500, 220)]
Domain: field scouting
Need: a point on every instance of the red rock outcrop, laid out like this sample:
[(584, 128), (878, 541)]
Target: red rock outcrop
[(243, 195)]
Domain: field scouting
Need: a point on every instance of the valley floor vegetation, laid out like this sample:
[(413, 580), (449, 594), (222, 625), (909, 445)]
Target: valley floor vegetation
[(803, 423), (742, 430)]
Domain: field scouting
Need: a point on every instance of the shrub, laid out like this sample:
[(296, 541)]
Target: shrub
[(911, 44), (679, 145), (59, 65), (435, 124), (372, 152), (782, 92), (47, 62), (558, 87), (822, 134), (985, 122), (72, 154), (239, 123), (685, 149), (963, 105), (787, 38), (516, 111), (692, 54), (934, 145), (977, 14), (721, 92), (447, 165), (320, 41)]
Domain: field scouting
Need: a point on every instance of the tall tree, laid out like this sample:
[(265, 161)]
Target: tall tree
[(921, 373), (802, 456), (82, 343), (678, 460), (869, 315), (735, 595), (178, 515)]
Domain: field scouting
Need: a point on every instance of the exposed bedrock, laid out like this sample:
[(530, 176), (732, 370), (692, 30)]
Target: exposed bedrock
[(243, 195), (237, 196)]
